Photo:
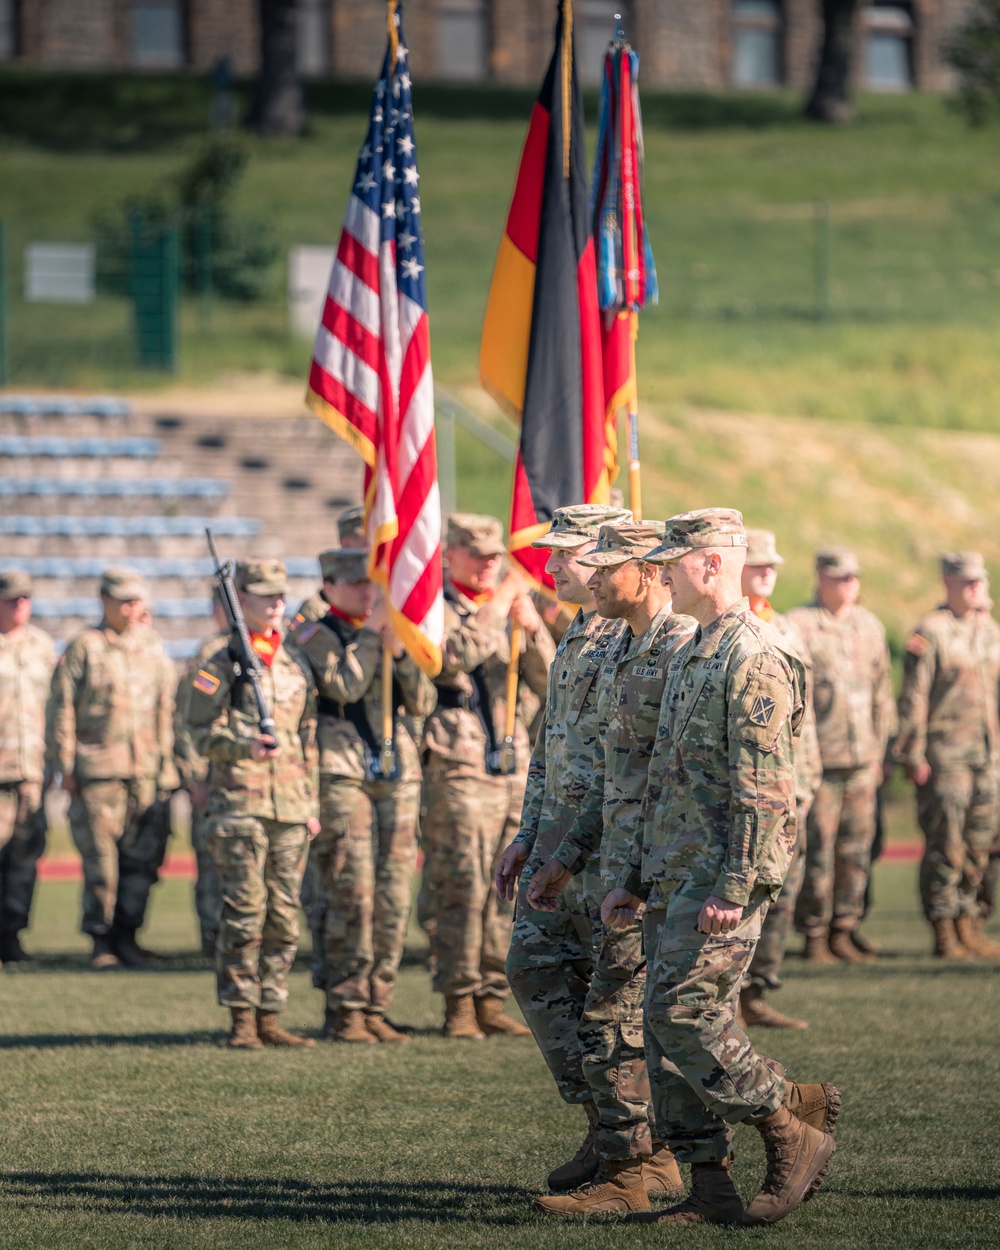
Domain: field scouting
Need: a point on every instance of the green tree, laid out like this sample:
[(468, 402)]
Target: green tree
[(975, 53)]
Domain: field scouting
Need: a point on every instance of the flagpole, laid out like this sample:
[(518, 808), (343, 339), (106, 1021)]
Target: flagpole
[(634, 466), (513, 664), (388, 756)]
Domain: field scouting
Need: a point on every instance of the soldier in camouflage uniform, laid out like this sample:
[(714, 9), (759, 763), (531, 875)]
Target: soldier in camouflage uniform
[(109, 734), (855, 719), (949, 744), (710, 856), (473, 806), (262, 809), (760, 575), (632, 1164), (367, 848), (27, 658)]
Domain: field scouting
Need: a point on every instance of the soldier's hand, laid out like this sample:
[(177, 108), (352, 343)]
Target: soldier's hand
[(200, 794), (524, 613), (620, 908), (719, 916), (313, 825), (390, 639), (70, 784), (919, 774), (509, 868), (547, 884), (264, 748)]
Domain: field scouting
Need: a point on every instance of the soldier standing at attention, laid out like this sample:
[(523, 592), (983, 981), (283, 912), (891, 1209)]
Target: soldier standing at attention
[(949, 745), (760, 574), (262, 808), (632, 1162), (712, 854), (27, 658), (855, 719), (366, 851), (473, 802), (109, 734), (351, 532)]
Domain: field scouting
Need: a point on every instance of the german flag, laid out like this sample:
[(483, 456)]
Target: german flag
[(540, 356)]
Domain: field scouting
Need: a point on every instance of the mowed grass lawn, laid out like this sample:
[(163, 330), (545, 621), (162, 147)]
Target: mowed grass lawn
[(126, 1123)]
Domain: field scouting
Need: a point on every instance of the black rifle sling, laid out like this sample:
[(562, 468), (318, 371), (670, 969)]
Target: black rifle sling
[(355, 713), (480, 703)]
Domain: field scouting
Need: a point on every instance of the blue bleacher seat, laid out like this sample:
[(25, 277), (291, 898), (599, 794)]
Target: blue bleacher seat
[(128, 526), (150, 567), (89, 606), (64, 406), (117, 488)]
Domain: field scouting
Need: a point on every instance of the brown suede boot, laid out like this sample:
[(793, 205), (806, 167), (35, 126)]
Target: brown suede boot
[(969, 931), (382, 1031), (460, 1019), (129, 952), (243, 1034), (713, 1200), (946, 943), (757, 1012), (797, 1158), (584, 1164), (347, 1024), (617, 1187), (493, 1020), (815, 1105), (843, 948), (272, 1034), (817, 949), (660, 1173)]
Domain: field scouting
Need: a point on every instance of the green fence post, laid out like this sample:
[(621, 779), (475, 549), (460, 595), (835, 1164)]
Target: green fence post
[(4, 364), (169, 282), (203, 251), (822, 252), (155, 263)]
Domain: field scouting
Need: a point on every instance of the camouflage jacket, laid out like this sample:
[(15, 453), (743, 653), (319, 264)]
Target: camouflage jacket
[(951, 681), (474, 635), (191, 767), (564, 754), (628, 706), (313, 609), (808, 761), (26, 665), (223, 721), (720, 806), (347, 668), (852, 685), (111, 707)]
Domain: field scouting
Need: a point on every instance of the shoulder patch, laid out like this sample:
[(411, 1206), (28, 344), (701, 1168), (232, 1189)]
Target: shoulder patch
[(917, 644), (303, 635), (761, 710), (205, 682)]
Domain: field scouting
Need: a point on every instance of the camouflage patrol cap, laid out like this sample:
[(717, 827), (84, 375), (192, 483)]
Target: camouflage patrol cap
[(15, 584), (761, 549), (708, 527), (482, 535), (350, 523), (344, 564), (262, 577), (123, 584), (580, 523), (966, 565), (838, 562), (630, 540)]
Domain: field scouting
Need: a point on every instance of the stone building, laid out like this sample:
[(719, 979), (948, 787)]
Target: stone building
[(684, 44)]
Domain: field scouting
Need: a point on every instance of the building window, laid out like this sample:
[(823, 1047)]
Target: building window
[(158, 34), (594, 26), (463, 40), (888, 35), (8, 30), (756, 43), (312, 52)]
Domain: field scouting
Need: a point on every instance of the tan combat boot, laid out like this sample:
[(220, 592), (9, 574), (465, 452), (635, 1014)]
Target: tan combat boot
[(460, 1019), (713, 1200), (817, 949), (815, 1105), (617, 1187), (272, 1034), (797, 1158), (969, 931), (103, 956), (759, 1013), (946, 943), (347, 1024), (494, 1022), (844, 948), (660, 1173), (382, 1031), (584, 1164), (243, 1034)]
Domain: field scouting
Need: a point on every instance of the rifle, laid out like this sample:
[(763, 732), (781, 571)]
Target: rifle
[(246, 664)]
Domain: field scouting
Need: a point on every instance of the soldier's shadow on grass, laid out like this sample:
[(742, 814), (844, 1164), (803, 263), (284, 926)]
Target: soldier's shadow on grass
[(51, 1041), (285, 1198)]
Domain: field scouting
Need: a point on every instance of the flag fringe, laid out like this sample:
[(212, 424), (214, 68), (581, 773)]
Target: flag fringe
[(341, 426)]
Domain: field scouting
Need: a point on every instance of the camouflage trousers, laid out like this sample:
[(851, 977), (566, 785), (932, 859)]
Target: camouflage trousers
[(765, 967), (703, 1070), (471, 817), (579, 986), (207, 893), (121, 829), (839, 836), (957, 810), (260, 865), (366, 855), (22, 843)]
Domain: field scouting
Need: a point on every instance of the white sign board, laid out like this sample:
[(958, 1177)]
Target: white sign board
[(59, 273), (308, 277)]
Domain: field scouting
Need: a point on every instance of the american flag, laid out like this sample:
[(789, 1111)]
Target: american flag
[(370, 379)]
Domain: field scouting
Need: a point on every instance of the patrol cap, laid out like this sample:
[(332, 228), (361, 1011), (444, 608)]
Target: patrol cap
[(482, 535), (344, 564), (580, 523), (761, 548), (631, 540), (262, 577), (15, 584), (838, 562), (708, 527), (351, 522), (966, 565), (123, 584)]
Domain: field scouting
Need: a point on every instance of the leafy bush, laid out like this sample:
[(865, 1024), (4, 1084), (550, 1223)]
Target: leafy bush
[(975, 54)]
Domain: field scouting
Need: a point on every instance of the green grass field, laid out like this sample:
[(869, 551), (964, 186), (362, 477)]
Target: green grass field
[(127, 1124)]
